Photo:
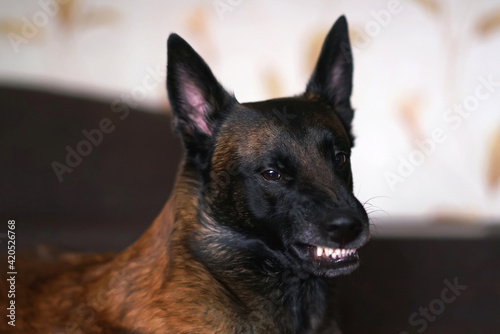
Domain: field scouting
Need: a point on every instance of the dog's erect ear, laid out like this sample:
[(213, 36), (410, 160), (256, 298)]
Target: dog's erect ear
[(332, 77), (195, 95)]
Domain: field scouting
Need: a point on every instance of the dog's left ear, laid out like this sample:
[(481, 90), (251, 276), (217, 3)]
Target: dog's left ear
[(332, 77), (196, 97)]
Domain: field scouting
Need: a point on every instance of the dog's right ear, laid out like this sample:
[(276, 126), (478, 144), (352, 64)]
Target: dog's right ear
[(195, 95)]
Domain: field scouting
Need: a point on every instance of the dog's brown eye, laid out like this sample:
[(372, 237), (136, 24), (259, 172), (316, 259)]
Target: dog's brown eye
[(340, 159), (271, 175)]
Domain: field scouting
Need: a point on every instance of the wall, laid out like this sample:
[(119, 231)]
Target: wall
[(426, 85)]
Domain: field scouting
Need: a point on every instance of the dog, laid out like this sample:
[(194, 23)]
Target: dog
[(261, 221)]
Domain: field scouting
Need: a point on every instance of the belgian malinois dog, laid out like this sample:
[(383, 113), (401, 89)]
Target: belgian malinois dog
[(261, 221)]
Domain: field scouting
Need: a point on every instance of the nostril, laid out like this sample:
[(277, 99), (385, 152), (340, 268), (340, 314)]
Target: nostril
[(344, 229)]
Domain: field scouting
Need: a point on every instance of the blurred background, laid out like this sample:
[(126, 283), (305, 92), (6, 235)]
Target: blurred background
[(426, 86), (426, 93)]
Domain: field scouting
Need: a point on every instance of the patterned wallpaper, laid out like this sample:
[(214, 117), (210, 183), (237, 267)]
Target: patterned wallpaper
[(426, 86)]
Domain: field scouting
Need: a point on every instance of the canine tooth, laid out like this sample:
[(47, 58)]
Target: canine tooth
[(328, 251), (319, 251)]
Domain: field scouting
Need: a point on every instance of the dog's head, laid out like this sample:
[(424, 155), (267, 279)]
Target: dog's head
[(277, 171)]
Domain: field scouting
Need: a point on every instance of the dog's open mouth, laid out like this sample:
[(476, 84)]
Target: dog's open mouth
[(328, 261)]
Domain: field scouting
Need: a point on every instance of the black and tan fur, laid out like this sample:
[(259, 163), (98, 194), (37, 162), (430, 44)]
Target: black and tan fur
[(233, 250)]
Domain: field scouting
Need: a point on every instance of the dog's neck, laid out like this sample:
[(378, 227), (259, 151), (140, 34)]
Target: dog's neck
[(297, 300)]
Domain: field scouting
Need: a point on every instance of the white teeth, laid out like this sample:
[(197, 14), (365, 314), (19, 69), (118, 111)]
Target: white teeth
[(334, 253), (319, 251)]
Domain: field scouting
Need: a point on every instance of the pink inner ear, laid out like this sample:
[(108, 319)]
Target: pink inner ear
[(199, 107)]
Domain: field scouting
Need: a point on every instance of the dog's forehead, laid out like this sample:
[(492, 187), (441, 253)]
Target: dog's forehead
[(290, 124), (296, 113), (298, 116)]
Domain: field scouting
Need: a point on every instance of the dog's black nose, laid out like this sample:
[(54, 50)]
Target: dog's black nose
[(344, 229)]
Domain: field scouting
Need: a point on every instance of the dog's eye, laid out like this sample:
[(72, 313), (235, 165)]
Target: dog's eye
[(271, 175), (340, 159)]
